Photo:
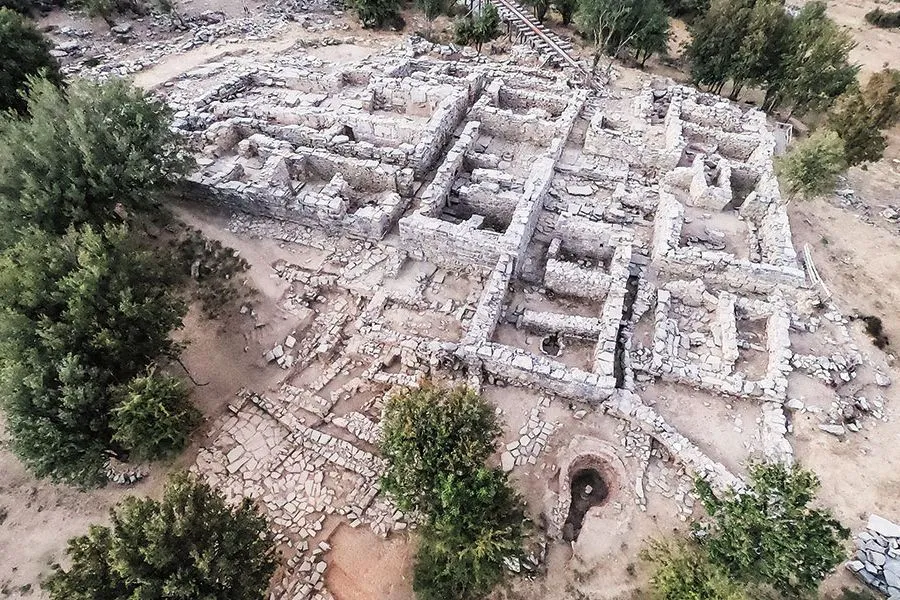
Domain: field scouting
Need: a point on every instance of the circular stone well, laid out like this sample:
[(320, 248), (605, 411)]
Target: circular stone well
[(591, 475), (551, 345)]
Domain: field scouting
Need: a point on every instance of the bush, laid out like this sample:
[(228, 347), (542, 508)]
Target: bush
[(192, 544), (154, 416), (214, 268), (883, 19), (24, 53), (861, 114), (379, 14), (464, 549), (812, 166), (769, 534), (477, 30)]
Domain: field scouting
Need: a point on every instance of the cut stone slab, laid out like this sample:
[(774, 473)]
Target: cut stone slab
[(580, 190), (884, 527)]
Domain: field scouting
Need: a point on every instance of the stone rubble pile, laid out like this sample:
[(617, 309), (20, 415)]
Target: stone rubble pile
[(877, 561)]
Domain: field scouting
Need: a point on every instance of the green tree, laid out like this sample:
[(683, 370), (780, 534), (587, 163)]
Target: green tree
[(812, 166), (770, 534), (861, 114), (435, 443), (716, 40), (540, 8), (432, 8), (815, 68), (464, 548), (566, 9), (683, 572), (379, 14), (483, 27), (192, 544), (883, 19), (615, 25), (762, 45), (687, 9), (429, 432), (24, 53), (652, 35), (79, 316), (83, 154), (153, 416)]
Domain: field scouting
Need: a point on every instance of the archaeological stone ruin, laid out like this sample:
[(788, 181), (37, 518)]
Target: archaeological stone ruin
[(577, 251)]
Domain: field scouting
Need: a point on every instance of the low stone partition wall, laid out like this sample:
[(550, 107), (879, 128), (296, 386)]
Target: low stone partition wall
[(611, 313), (592, 239), (521, 367), (714, 267), (726, 321), (718, 375), (434, 198), (628, 405), (509, 125), (567, 325), (714, 196), (447, 116), (491, 303), (521, 99), (569, 279), (453, 246)]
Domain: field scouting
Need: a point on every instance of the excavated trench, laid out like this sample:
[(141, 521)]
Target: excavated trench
[(631, 289)]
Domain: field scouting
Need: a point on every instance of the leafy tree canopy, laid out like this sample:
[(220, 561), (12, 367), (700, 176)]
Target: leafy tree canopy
[(812, 166), (79, 316), (683, 572), (24, 53), (802, 60), (464, 549), (687, 9), (429, 432), (432, 8), (483, 27), (770, 534), (860, 115), (82, 154), (566, 9), (435, 443), (190, 545), (816, 68), (379, 14), (153, 416), (614, 25)]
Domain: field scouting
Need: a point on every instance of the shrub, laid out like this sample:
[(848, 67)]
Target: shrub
[(683, 572), (769, 534), (812, 166), (883, 19), (154, 416)]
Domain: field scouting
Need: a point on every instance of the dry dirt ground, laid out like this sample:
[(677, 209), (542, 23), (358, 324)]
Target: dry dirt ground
[(855, 252)]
